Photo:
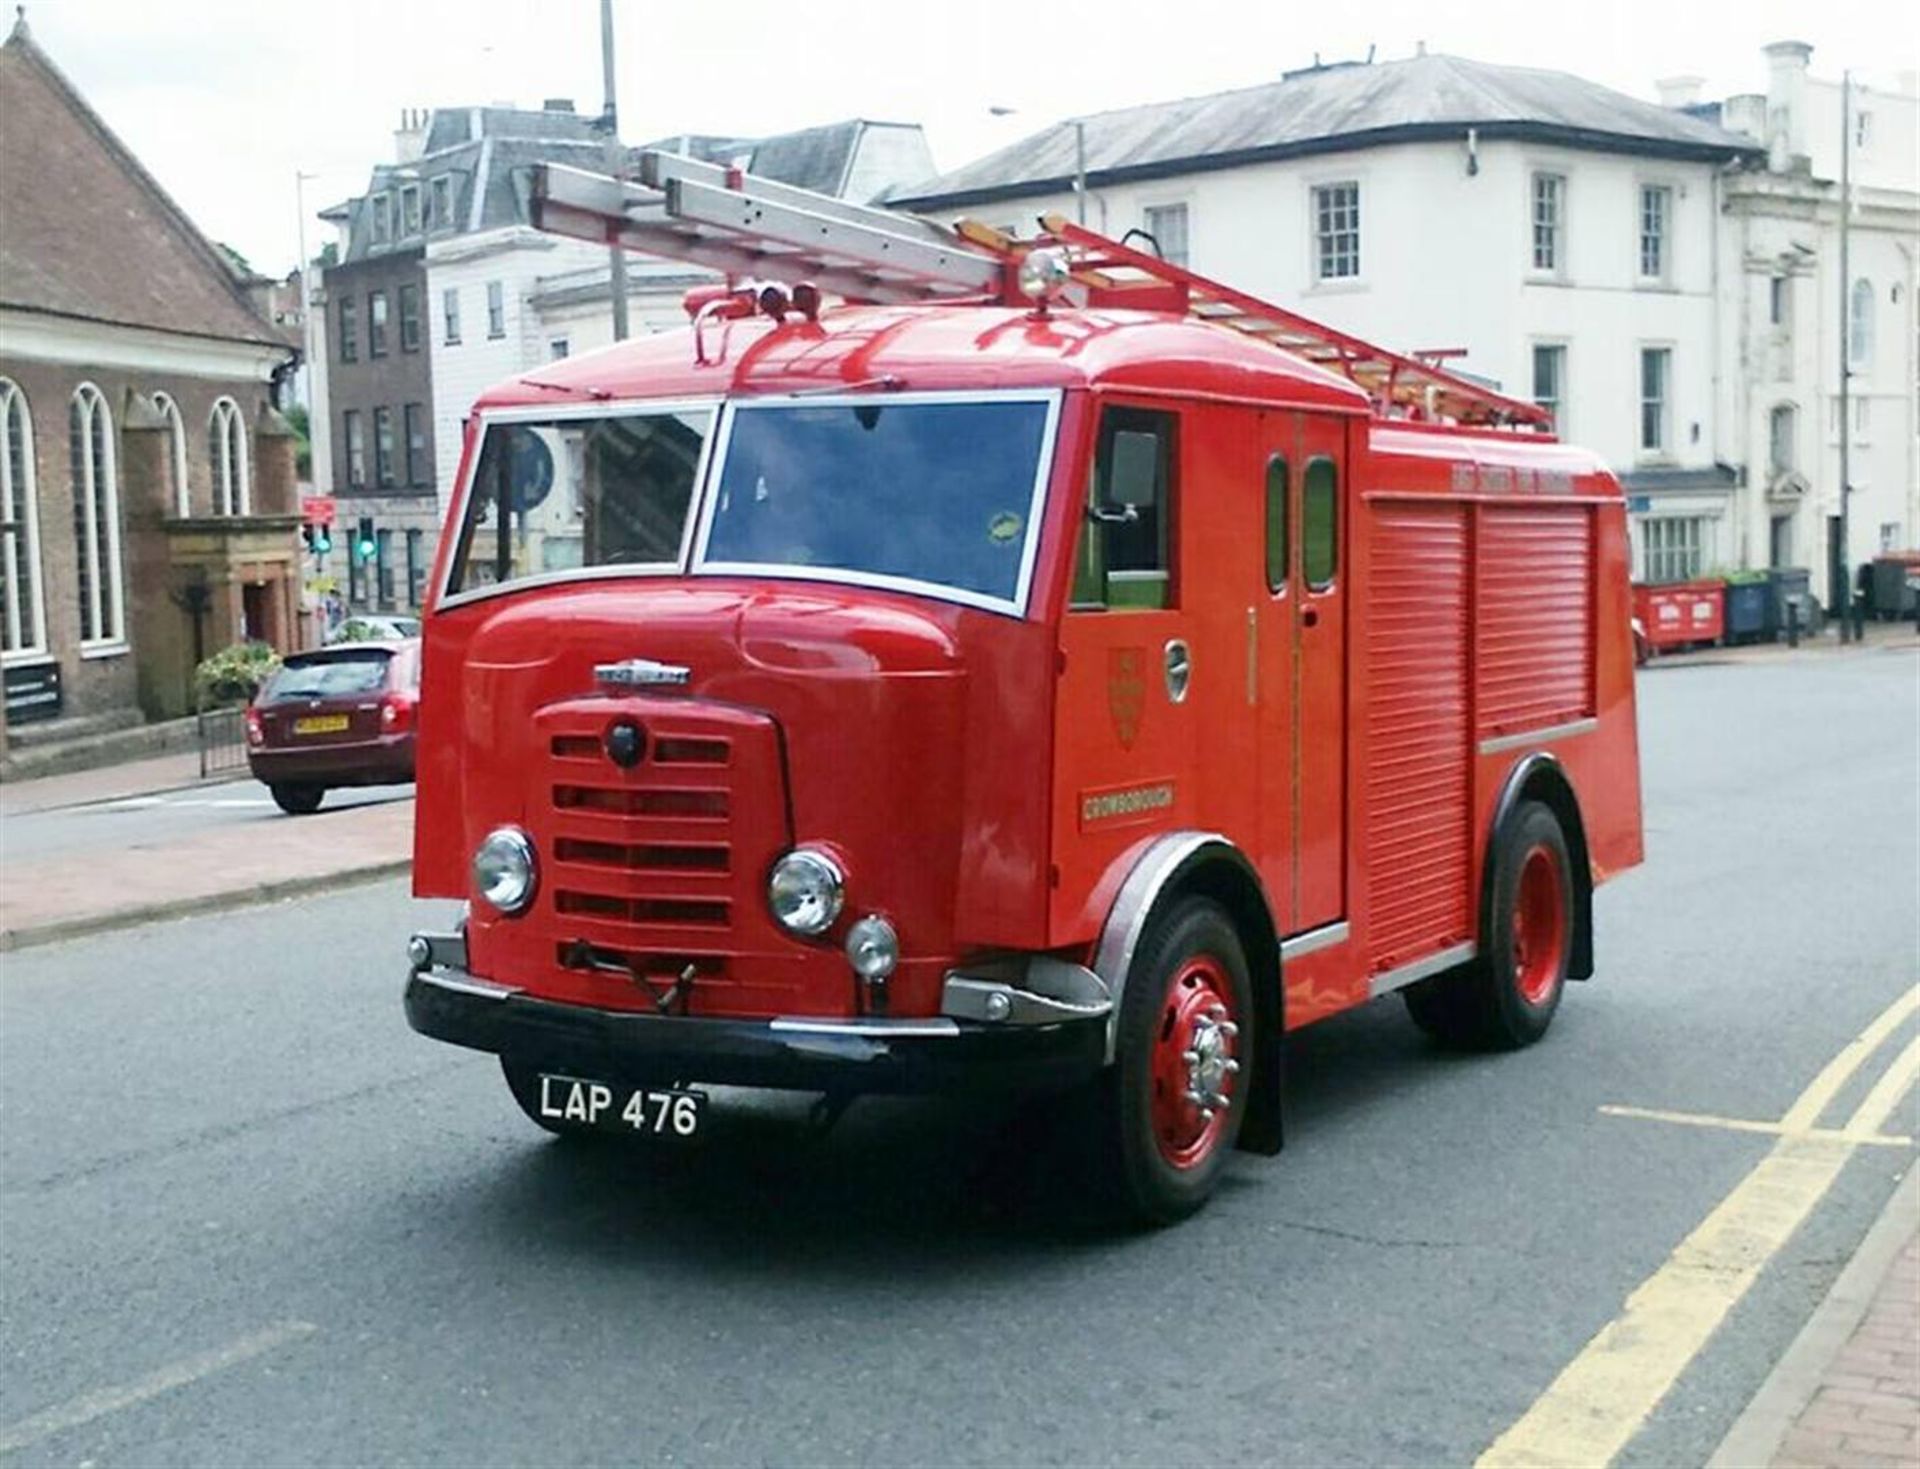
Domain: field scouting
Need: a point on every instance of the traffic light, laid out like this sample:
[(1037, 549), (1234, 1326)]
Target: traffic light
[(323, 538), (363, 542)]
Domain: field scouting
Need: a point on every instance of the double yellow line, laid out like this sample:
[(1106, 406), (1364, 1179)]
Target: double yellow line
[(1607, 1392)]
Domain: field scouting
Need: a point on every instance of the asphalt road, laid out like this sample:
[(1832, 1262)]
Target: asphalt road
[(247, 1217), (133, 821)]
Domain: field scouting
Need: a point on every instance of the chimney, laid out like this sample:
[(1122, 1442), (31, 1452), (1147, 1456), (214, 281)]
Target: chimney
[(1678, 92), (1786, 103), (557, 104), (410, 138)]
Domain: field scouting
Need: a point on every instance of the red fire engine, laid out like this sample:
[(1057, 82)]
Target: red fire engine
[(1049, 669)]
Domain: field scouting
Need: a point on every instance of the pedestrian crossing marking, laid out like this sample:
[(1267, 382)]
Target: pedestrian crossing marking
[(1605, 1395)]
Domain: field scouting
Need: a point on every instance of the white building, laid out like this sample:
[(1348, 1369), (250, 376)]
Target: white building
[(508, 298), (1785, 329), (1560, 236)]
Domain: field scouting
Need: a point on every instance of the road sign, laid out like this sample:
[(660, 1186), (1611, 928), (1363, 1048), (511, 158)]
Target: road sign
[(317, 509)]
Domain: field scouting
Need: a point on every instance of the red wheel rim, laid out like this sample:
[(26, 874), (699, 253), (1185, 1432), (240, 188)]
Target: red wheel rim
[(1194, 1069), (1539, 926)]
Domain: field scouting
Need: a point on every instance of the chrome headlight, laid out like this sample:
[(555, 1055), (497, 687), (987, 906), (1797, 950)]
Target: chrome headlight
[(504, 872), (805, 891), (873, 948)]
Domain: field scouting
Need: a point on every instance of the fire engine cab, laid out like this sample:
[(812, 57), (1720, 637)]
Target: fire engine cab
[(1045, 669)]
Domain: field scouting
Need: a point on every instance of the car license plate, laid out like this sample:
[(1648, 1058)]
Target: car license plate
[(621, 1108), (320, 724)]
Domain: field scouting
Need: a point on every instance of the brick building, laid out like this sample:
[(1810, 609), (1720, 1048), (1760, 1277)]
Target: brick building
[(147, 501)]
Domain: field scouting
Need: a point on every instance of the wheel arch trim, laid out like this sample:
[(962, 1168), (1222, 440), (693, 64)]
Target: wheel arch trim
[(1170, 866), (1541, 776)]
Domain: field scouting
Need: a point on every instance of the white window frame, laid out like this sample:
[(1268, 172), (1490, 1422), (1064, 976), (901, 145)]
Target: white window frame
[(1318, 280), (20, 503), (1777, 462), (1669, 195), (1166, 206), (1675, 547), (1559, 402), (169, 409), (105, 609), (1860, 324), (1556, 266), (232, 476), (496, 310), (450, 317), (1664, 449)]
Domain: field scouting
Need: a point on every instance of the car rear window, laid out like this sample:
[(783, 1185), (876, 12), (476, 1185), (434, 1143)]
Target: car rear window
[(328, 678)]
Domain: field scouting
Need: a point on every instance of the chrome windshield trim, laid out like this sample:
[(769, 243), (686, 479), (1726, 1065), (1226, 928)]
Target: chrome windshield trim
[(715, 467), (561, 412), (1546, 734), (1398, 979)]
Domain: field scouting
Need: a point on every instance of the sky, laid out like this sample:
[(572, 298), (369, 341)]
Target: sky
[(226, 101)]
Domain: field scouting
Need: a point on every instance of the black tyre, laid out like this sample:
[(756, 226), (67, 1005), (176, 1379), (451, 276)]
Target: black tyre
[(1169, 1110), (1507, 996), (298, 800)]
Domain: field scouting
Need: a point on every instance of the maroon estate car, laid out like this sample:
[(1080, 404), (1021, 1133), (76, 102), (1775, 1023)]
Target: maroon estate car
[(338, 716)]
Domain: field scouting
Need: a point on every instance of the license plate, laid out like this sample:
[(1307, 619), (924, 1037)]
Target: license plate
[(621, 1108), (320, 724)]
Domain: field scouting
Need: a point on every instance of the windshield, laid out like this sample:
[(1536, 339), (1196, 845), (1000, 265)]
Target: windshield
[(567, 494), (328, 678), (937, 493)]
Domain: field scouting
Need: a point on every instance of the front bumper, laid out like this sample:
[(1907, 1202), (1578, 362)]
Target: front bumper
[(939, 1054)]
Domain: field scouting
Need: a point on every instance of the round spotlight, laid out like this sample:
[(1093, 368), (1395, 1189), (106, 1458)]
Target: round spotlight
[(873, 948), (1043, 274), (805, 891), (504, 873)]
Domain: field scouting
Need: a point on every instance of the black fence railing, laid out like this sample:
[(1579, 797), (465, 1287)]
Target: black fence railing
[(223, 741)]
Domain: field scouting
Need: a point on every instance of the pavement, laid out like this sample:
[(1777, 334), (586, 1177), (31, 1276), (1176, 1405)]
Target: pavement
[(130, 844), (277, 1227)]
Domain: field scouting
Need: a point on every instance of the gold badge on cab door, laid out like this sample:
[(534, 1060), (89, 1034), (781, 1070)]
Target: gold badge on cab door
[(1126, 692)]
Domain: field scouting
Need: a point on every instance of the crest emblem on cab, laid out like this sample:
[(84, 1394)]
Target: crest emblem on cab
[(1126, 692)]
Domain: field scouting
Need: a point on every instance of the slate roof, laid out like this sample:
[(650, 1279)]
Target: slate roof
[(86, 232), (1332, 109)]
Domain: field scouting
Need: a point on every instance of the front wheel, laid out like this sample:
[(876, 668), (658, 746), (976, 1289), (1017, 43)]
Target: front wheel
[(1172, 1104), (1507, 996)]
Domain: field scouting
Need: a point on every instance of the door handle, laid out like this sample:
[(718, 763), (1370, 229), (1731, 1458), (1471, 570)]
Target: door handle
[(1179, 670), (1310, 616)]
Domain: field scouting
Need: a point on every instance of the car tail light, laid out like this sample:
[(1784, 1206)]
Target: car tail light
[(396, 713), (256, 732)]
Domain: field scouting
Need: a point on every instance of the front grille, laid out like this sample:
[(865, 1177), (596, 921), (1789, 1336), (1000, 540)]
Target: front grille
[(659, 864)]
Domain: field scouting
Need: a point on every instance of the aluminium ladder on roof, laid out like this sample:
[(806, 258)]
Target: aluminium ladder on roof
[(752, 228)]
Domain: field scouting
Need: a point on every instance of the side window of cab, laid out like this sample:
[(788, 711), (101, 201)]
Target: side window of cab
[(1125, 556)]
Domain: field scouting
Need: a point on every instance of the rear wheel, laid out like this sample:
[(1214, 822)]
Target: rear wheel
[(1172, 1104), (297, 800), (1507, 996)]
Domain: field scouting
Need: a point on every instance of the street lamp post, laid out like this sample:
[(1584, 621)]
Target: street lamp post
[(610, 119), (306, 305), (1079, 126)]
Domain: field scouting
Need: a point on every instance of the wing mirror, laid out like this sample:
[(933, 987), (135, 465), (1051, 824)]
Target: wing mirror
[(1133, 479)]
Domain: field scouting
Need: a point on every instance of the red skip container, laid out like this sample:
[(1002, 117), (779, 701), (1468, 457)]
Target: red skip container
[(1679, 613)]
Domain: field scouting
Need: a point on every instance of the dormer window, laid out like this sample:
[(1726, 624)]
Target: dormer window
[(410, 210), (380, 226), (440, 208)]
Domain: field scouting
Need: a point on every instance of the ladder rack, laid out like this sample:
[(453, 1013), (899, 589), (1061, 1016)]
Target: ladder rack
[(750, 228)]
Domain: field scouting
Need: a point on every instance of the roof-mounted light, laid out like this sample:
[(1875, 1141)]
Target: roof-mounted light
[(1043, 275)]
